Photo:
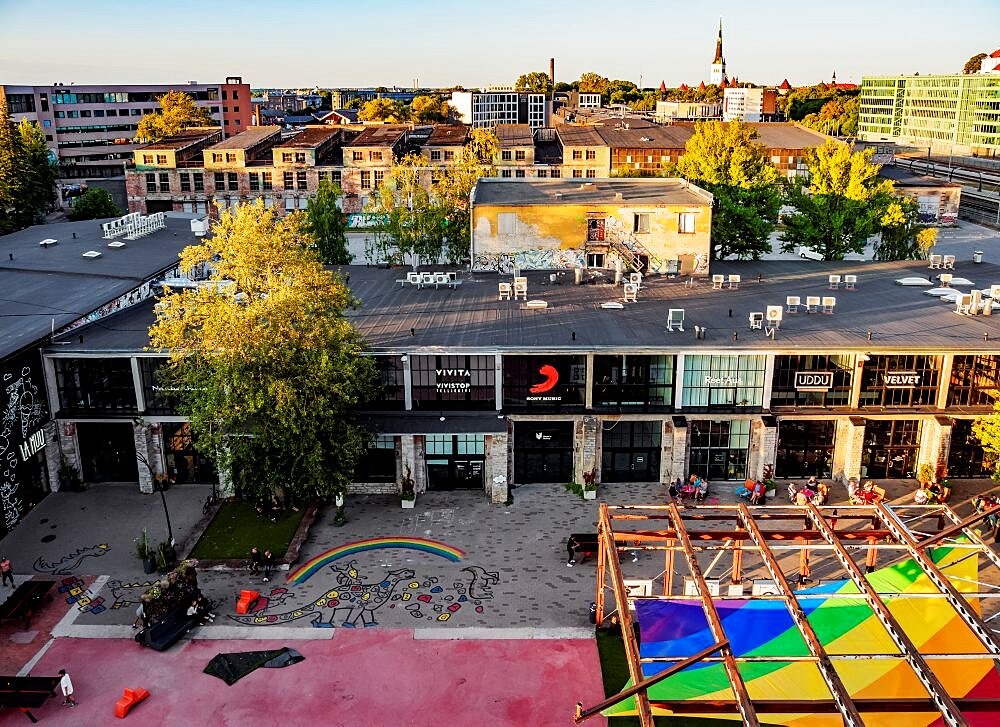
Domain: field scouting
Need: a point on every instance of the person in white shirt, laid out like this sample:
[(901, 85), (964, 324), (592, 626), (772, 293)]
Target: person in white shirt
[(66, 685)]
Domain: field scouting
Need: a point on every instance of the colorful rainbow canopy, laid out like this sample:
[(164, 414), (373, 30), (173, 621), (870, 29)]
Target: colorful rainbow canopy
[(844, 626), (308, 569)]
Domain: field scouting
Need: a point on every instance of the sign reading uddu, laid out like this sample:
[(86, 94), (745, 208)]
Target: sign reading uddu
[(813, 380), (901, 379)]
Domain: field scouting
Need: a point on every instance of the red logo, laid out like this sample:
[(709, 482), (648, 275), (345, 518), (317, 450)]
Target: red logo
[(551, 379)]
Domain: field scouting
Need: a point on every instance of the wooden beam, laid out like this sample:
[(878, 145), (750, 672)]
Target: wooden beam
[(606, 542), (945, 705), (940, 581), (635, 537), (778, 706), (739, 688), (839, 692), (973, 536), (583, 714), (958, 527)]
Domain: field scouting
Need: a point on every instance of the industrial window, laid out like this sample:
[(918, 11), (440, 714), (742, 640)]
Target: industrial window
[(685, 223), (453, 382), (975, 381), (234, 184), (366, 180), (220, 181), (164, 182), (634, 383), (640, 222), (93, 384), (378, 462), (199, 181), (812, 380), (900, 381), (723, 383), (254, 182), (289, 180), (300, 181), (185, 182), (150, 182), (266, 181)]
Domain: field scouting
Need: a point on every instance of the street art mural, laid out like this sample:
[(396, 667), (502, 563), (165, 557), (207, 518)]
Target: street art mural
[(76, 593), (434, 547), (21, 435), (69, 562)]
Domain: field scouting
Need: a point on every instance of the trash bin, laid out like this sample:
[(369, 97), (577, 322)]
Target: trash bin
[(977, 256), (593, 613)]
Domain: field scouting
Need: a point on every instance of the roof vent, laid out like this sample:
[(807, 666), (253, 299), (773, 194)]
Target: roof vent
[(619, 195), (644, 138), (49, 242), (117, 244), (91, 254), (558, 194)]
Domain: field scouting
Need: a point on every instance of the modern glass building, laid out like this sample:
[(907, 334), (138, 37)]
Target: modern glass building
[(958, 113)]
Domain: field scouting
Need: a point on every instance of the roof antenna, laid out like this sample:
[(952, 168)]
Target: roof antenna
[(869, 335)]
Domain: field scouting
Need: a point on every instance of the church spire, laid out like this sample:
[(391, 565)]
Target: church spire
[(718, 45)]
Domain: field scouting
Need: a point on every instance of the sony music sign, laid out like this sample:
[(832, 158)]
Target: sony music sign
[(813, 380), (901, 379)]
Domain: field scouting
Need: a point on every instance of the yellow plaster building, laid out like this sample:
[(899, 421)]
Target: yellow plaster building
[(660, 226)]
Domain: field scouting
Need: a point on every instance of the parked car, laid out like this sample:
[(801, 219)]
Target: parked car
[(809, 253)]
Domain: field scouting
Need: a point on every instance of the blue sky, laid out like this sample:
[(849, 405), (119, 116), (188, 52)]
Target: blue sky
[(443, 42)]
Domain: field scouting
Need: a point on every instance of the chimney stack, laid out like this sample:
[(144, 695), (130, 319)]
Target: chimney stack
[(552, 71)]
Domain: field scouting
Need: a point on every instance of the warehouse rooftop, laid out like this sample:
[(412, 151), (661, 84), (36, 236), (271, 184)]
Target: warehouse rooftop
[(501, 192)]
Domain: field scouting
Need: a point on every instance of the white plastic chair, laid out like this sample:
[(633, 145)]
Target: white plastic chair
[(675, 319), (828, 304), (948, 262), (812, 303), (850, 282), (934, 262), (792, 303), (717, 281), (834, 282), (963, 305), (506, 290), (631, 292), (734, 281), (756, 321)]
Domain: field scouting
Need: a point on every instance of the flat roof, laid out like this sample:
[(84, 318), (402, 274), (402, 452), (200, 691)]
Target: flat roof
[(184, 139), (310, 138), (379, 136), (514, 134), (644, 135), (247, 139), (448, 135), (470, 318), (42, 285), (515, 192), (783, 135), (902, 177), (571, 135)]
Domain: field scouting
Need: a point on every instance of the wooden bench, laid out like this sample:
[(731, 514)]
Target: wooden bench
[(27, 693), (129, 699), (583, 543), (25, 601)]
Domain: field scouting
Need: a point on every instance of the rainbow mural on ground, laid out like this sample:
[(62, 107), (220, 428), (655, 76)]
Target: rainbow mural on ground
[(308, 569), (844, 626)]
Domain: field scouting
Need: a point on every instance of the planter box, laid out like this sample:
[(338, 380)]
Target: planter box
[(407, 504), (590, 494)]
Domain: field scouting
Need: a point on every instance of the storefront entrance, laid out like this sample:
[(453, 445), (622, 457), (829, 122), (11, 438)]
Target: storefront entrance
[(184, 462), (455, 461), (890, 448), (631, 452), (805, 448), (966, 457), (543, 452), (107, 452), (719, 448)]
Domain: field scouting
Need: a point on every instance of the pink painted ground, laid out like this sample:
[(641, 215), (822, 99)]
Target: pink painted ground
[(370, 678)]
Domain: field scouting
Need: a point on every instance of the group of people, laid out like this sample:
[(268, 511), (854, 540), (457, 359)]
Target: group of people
[(753, 491), (201, 610), (696, 487), (865, 493), (931, 493), (260, 562), (813, 491)]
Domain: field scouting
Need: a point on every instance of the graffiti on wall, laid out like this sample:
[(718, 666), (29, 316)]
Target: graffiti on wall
[(69, 562), (129, 299), (21, 437), (354, 599), (538, 259)]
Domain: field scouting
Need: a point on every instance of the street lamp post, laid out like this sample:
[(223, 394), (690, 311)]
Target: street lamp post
[(160, 486)]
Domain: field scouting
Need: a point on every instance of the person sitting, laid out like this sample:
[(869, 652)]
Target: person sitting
[(675, 489), (802, 497), (701, 489), (852, 488), (921, 496), (758, 497), (793, 492), (199, 610), (743, 491), (822, 495)]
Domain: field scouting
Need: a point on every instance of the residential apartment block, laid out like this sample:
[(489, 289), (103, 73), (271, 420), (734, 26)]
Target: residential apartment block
[(957, 113), (91, 128), (749, 104)]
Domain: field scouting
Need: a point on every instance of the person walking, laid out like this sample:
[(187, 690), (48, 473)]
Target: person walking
[(66, 687), (6, 571), (254, 561), (140, 617), (267, 562)]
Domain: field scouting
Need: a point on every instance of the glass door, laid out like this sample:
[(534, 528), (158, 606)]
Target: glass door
[(719, 449)]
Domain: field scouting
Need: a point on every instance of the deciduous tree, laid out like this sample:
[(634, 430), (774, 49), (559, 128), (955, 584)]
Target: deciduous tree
[(534, 82), (27, 173), (902, 236), (269, 369), (326, 225), (973, 64), (429, 109), (726, 159), (594, 83), (384, 109), (178, 111), (94, 204), (840, 206)]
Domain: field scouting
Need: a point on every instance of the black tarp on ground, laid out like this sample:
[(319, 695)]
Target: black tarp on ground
[(230, 668)]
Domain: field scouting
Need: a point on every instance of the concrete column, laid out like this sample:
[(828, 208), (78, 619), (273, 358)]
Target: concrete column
[(412, 456), (495, 468), (498, 380), (587, 447), (849, 443), (763, 447), (53, 454), (140, 435), (589, 396), (407, 384), (947, 361), (67, 448), (935, 443), (666, 450), (856, 381), (679, 382), (140, 395), (768, 381), (679, 450)]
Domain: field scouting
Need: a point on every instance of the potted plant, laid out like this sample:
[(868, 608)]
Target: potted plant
[(145, 553), (407, 493), (164, 557), (338, 518), (590, 485)]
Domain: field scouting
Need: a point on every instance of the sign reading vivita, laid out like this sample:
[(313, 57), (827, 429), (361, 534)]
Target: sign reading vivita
[(901, 379), (813, 380), (453, 381)]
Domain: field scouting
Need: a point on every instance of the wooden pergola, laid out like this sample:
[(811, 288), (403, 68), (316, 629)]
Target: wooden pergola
[(892, 532)]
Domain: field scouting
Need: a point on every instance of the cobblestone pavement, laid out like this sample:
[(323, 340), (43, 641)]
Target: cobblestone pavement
[(497, 567)]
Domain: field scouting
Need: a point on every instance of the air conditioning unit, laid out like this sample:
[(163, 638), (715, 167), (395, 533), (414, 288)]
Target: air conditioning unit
[(734, 590), (638, 587), (690, 589), (774, 312), (765, 588)]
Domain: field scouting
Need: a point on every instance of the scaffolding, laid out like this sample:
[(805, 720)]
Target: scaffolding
[(909, 539)]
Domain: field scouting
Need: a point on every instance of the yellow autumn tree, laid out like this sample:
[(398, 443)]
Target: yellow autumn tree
[(178, 111), (269, 368)]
